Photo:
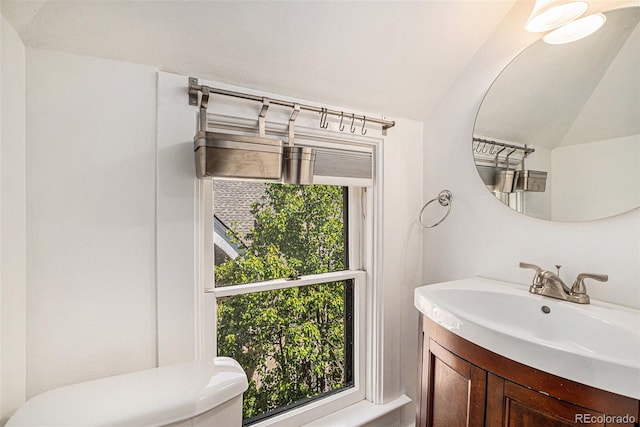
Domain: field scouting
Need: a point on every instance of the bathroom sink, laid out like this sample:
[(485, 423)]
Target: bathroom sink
[(597, 344)]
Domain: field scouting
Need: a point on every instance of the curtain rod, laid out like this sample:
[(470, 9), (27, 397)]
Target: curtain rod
[(194, 88)]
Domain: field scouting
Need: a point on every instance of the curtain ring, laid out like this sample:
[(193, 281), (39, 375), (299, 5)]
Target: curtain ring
[(444, 199)]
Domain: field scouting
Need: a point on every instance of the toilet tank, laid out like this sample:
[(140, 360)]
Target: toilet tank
[(200, 389)]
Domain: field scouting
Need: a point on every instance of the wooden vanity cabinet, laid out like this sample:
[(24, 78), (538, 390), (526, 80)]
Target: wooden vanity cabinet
[(462, 384), (454, 390)]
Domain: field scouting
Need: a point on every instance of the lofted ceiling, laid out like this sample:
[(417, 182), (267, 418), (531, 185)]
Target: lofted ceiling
[(391, 57), (585, 91)]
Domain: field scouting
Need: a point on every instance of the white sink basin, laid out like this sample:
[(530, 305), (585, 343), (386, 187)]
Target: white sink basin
[(597, 344)]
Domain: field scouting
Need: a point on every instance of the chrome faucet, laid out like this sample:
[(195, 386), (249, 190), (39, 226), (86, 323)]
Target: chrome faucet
[(551, 285)]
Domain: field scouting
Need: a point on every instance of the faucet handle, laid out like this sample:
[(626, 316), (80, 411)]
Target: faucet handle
[(579, 290), (531, 266), (598, 277), (538, 277)]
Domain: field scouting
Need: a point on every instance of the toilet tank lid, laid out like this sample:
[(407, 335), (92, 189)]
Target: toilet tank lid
[(153, 397)]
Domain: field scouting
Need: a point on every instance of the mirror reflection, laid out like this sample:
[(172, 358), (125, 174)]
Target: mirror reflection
[(557, 136)]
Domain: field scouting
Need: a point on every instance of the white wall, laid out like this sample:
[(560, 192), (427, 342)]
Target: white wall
[(93, 215), (483, 237), (402, 260), (12, 222), (608, 186), (91, 297)]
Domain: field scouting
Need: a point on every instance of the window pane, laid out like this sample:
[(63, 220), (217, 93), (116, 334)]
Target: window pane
[(270, 231), (294, 344)]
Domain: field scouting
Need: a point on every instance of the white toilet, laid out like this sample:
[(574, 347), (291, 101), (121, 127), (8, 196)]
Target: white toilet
[(198, 393)]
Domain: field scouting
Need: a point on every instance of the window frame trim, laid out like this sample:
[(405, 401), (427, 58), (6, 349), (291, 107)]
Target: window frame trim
[(361, 228), (342, 399), (272, 285), (180, 334)]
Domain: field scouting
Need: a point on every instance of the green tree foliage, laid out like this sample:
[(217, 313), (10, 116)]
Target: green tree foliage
[(290, 341)]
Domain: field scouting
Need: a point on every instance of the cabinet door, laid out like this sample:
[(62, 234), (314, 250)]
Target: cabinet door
[(510, 404), (455, 392)]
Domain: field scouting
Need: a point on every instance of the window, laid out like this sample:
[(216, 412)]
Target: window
[(276, 230), (288, 307)]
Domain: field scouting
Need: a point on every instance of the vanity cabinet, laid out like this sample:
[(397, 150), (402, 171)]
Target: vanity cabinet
[(462, 384)]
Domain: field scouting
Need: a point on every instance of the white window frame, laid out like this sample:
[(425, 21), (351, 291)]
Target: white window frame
[(183, 333), (361, 254)]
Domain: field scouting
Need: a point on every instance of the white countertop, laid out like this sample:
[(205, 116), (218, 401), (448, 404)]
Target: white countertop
[(596, 344)]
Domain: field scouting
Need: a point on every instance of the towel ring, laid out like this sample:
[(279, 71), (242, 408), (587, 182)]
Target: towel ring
[(444, 198)]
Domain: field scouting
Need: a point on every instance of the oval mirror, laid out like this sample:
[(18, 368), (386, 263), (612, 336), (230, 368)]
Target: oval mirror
[(557, 135)]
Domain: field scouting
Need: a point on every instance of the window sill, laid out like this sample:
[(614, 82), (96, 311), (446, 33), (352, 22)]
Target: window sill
[(315, 410), (359, 413)]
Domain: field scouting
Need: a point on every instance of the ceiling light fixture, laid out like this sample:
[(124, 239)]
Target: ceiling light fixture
[(550, 14), (576, 30)]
